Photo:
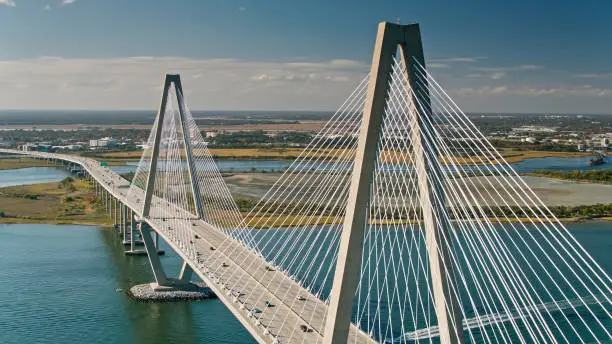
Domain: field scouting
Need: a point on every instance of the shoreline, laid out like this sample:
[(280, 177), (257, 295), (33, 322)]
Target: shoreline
[(17, 221), (577, 181)]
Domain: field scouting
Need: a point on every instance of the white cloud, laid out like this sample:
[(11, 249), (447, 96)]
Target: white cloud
[(594, 75), (526, 67), (68, 2), (498, 75), (135, 82), (47, 8), (52, 82), (534, 91), (8, 3), (242, 9), (437, 65), (458, 59)]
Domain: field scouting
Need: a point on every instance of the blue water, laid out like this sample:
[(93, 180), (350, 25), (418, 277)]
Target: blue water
[(63, 284), (557, 164), (385, 299), (32, 175), (529, 165)]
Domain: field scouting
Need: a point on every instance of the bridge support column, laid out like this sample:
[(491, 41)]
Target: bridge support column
[(347, 273), (115, 213), (156, 266), (122, 221), (131, 230), (186, 273)]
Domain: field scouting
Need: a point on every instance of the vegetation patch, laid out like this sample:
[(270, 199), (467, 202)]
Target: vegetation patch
[(592, 176), (15, 163), (67, 201)]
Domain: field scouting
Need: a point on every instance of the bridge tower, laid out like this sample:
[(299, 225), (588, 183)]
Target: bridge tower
[(151, 246), (172, 80), (404, 40)]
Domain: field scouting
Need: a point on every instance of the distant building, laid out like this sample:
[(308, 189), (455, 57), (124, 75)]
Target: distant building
[(103, 142), (35, 147), (581, 147), (605, 142), (68, 147), (211, 134), (529, 139)]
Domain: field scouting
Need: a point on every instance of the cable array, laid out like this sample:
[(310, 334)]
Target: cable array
[(180, 183), (517, 273)]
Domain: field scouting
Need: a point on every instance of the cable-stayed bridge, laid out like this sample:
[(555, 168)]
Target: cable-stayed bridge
[(399, 222)]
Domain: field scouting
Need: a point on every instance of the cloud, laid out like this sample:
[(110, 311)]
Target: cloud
[(8, 3), (498, 75), (135, 82), (68, 2), (526, 67), (594, 75), (47, 8), (438, 65), (458, 59), (53, 82), (534, 91), (242, 9)]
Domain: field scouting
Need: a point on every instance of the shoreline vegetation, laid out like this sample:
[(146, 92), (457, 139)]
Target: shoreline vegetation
[(603, 176), (70, 201), (510, 155), (578, 213), (120, 158)]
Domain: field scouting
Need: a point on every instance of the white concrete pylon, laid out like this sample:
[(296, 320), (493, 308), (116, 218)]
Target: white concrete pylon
[(171, 80), (346, 278)]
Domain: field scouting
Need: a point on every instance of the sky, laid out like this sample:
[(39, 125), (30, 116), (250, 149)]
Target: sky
[(520, 56)]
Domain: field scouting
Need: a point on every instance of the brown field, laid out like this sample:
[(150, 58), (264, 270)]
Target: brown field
[(510, 155)]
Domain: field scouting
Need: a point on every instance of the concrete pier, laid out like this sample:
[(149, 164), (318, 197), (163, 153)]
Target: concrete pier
[(142, 252), (152, 292)]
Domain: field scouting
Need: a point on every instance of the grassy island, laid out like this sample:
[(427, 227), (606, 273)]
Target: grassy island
[(68, 201), (21, 162)]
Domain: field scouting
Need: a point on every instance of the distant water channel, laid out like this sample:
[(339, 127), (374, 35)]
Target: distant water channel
[(528, 165), (31, 175)]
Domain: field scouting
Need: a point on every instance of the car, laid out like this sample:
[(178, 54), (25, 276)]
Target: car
[(268, 304), (255, 310), (300, 298), (224, 265), (305, 328), (212, 248)]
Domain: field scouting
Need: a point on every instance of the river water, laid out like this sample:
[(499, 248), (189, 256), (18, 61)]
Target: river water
[(64, 284)]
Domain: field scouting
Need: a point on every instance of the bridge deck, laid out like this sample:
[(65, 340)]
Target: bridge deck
[(255, 284)]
